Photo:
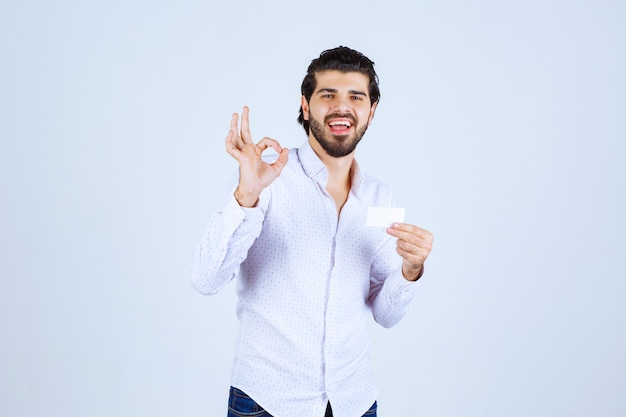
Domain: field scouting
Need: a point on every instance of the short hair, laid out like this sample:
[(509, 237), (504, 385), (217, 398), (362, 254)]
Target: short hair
[(341, 59)]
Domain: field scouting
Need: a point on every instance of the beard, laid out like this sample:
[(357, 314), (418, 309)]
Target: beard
[(336, 146)]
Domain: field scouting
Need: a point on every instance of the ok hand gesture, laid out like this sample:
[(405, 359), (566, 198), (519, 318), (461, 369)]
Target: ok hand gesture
[(254, 173)]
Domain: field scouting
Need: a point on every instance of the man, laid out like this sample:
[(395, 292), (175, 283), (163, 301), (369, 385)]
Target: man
[(310, 272)]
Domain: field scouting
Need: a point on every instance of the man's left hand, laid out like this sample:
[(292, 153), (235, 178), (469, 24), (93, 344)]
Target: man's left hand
[(414, 245)]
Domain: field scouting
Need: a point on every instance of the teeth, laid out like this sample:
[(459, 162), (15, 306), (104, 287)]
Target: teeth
[(347, 124)]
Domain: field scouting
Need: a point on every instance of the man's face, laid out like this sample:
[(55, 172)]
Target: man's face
[(339, 111)]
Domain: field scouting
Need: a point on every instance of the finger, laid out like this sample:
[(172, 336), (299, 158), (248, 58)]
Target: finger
[(409, 232), (413, 259), (402, 235), (283, 153), (234, 128), (269, 142), (234, 122), (411, 228), (246, 137), (280, 163), (408, 246), (414, 255), (416, 245), (231, 148)]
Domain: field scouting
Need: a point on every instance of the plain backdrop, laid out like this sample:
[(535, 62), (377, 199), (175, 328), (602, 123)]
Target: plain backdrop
[(501, 128)]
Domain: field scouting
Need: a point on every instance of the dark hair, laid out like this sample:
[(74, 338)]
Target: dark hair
[(341, 59)]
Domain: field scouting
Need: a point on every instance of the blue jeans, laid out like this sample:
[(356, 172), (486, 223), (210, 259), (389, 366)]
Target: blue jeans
[(241, 405)]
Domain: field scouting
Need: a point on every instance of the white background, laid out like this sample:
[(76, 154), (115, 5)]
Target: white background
[(501, 127)]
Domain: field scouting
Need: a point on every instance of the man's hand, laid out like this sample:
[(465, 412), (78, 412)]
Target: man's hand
[(414, 245), (254, 174)]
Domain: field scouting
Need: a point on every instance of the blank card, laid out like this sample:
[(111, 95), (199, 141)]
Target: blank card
[(384, 216)]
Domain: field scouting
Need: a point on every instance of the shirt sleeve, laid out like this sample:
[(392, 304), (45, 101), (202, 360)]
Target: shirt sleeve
[(224, 246), (391, 294)]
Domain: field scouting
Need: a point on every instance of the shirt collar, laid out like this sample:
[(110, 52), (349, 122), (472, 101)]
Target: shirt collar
[(315, 168), (312, 164)]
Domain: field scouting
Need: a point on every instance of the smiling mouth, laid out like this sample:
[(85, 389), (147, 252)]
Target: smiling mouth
[(340, 126)]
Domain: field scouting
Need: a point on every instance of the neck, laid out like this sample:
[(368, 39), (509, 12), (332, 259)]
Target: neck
[(339, 178)]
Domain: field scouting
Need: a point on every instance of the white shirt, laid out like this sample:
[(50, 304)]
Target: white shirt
[(308, 281)]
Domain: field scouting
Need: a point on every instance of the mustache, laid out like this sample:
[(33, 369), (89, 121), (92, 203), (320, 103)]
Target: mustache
[(342, 116)]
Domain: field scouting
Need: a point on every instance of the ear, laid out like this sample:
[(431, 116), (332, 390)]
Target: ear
[(305, 108), (372, 111)]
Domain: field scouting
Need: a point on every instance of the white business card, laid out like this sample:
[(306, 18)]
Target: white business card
[(384, 216)]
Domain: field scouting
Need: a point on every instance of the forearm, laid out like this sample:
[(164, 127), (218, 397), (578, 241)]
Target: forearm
[(393, 299), (391, 291), (224, 247)]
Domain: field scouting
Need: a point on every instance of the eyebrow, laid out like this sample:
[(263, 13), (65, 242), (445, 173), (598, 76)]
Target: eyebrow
[(334, 90)]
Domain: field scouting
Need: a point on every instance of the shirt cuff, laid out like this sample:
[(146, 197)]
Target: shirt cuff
[(400, 285)]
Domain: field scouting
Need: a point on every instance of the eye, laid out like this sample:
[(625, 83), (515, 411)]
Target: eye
[(327, 95), (357, 98)]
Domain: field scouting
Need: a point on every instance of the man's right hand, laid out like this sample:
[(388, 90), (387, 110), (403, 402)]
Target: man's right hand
[(254, 173)]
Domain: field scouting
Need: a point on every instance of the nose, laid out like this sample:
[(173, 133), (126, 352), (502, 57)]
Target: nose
[(341, 104)]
